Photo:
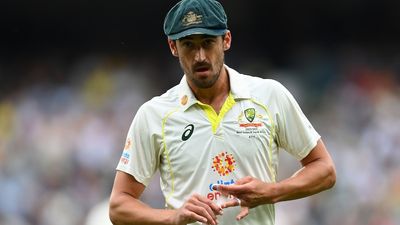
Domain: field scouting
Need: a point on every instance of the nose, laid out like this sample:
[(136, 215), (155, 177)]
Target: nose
[(200, 55)]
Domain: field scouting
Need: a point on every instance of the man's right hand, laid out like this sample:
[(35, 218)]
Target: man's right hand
[(197, 208)]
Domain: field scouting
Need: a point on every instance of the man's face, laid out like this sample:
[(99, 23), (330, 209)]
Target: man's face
[(201, 57)]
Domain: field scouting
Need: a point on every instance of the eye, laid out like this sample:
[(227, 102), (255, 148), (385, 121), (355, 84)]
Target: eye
[(187, 44), (208, 43)]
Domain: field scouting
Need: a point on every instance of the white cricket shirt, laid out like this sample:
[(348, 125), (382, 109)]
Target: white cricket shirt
[(194, 148)]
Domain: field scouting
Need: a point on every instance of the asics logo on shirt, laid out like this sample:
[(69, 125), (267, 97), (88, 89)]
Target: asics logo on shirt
[(188, 132)]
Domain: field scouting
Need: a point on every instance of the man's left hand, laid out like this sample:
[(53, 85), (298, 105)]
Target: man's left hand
[(248, 192)]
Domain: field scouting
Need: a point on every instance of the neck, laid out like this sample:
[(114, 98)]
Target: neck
[(215, 95)]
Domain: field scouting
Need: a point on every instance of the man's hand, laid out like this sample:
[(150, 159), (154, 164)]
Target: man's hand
[(317, 174), (248, 192), (197, 208)]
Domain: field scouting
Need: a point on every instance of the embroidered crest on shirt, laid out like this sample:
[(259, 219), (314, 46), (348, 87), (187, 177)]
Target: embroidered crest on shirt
[(250, 114)]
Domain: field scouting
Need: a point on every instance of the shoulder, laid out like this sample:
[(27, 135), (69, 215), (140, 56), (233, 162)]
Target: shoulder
[(261, 87), (252, 82), (263, 84), (158, 106), (268, 92)]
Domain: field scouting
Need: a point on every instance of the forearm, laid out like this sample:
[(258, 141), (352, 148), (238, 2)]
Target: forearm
[(314, 177), (127, 210)]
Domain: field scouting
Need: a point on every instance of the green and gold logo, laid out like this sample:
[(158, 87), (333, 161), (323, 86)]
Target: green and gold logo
[(191, 18), (250, 114)]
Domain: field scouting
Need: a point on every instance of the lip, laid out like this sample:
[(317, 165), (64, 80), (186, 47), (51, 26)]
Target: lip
[(202, 69), (202, 73)]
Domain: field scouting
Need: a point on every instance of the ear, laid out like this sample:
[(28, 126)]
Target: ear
[(227, 40), (172, 47)]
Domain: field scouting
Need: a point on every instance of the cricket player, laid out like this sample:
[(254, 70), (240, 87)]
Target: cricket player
[(215, 137)]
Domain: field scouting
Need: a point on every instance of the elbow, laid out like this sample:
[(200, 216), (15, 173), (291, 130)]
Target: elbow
[(113, 217), (120, 213), (113, 213), (331, 179)]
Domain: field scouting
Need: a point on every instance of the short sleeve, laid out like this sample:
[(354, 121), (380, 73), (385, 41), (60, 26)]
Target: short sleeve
[(140, 156), (295, 132)]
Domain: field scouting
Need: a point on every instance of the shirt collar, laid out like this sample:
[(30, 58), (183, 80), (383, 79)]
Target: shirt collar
[(239, 84), (239, 89)]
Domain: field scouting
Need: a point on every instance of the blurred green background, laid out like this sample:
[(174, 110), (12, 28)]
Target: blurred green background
[(73, 74)]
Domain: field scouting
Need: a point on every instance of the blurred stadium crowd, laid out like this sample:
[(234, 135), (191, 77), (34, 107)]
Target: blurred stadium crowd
[(73, 74), (63, 126)]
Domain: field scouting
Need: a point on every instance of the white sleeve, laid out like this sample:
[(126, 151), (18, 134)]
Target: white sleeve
[(140, 156), (295, 132)]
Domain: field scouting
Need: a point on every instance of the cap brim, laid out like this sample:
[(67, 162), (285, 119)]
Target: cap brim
[(197, 30)]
